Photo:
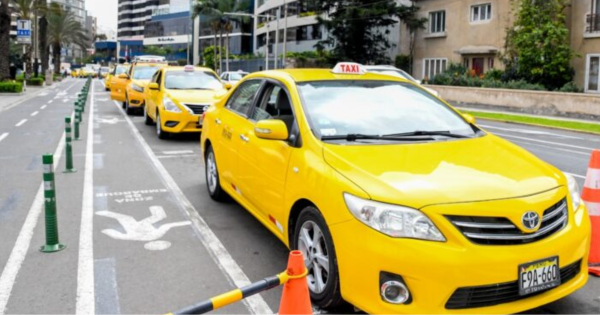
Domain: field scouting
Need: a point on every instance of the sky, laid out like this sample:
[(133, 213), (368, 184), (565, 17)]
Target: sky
[(105, 11)]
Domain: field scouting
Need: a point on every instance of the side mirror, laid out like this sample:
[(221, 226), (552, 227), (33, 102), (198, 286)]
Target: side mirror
[(470, 119), (123, 76), (153, 86), (271, 129), (227, 85)]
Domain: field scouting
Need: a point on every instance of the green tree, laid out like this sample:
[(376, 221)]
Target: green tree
[(538, 43), (4, 40), (413, 23), (24, 10), (43, 38), (358, 29), (63, 29)]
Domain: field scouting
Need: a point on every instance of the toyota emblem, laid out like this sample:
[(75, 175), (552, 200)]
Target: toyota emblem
[(530, 220)]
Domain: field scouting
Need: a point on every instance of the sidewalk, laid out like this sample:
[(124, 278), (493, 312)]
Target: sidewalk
[(9, 101)]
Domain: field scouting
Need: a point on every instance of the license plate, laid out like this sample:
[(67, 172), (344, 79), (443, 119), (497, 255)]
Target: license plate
[(538, 276)]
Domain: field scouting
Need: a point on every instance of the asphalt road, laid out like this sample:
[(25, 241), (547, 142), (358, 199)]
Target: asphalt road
[(142, 234)]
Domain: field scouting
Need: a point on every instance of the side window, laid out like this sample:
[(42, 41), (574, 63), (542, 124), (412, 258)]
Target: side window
[(275, 104), (155, 77), (243, 97)]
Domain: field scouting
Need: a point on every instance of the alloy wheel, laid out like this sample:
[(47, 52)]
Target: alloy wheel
[(316, 258)]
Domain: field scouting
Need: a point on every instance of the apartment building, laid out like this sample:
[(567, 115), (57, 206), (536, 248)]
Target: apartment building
[(471, 32), (585, 40), (133, 15)]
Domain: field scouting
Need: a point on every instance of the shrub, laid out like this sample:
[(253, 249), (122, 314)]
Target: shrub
[(523, 85), (494, 74), (456, 69), (181, 62), (38, 81), (402, 62), (570, 87), (11, 87)]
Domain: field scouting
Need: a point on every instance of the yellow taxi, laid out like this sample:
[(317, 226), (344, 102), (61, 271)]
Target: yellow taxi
[(398, 202), (177, 97), (113, 75), (130, 88)]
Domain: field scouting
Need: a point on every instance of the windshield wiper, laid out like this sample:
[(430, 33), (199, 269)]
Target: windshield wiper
[(427, 133), (356, 136)]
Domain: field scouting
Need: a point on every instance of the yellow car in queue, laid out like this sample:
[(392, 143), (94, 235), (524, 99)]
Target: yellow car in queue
[(129, 89), (398, 202), (177, 97), (113, 75)]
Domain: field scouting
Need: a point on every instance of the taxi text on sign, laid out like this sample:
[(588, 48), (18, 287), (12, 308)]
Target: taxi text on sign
[(24, 31)]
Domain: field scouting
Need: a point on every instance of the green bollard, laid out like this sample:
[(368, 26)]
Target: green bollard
[(52, 243), (77, 119), (68, 147)]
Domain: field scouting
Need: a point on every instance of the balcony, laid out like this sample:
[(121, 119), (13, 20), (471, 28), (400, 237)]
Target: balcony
[(593, 23)]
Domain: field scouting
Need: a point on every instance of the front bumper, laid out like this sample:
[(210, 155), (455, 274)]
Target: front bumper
[(433, 271), (180, 122)]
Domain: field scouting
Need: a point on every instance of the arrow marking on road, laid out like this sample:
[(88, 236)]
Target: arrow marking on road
[(111, 121), (144, 230)]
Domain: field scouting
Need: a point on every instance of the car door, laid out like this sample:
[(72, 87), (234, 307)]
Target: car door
[(263, 163), (154, 97), (228, 121), (118, 85)]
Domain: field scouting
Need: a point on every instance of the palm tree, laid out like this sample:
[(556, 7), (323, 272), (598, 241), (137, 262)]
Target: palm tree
[(24, 9), (63, 30), (4, 40), (43, 35), (216, 11)]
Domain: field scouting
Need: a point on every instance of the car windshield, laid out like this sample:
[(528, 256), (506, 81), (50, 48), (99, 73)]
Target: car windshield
[(377, 108), (144, 72), (236, 76), (196, 80), (395, 73), (120, 70)]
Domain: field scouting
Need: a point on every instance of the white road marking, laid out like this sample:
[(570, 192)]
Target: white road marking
[(50, 101), (177, 156), (255, 304), (19, 251), (575, 175), (144, 230), (21, 123), (521, 143), (542, 141), (178, 152), (4, 135), (526, 131), (85, 302), (34, 113), (43, 106)]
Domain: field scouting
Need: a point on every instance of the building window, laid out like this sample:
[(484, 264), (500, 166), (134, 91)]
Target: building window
[(466, 62), (592, 74), (491, 63), (437, 22), (481, 12), (434, 66)]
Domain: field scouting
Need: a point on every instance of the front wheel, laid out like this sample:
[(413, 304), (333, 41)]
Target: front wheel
[(159, 131), (147, 120), (312, 238)]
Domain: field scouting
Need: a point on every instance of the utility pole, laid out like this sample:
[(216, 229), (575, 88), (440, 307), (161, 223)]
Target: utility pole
[(285, 8), (276, 52)]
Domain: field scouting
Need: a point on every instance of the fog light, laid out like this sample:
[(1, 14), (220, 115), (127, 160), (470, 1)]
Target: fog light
[(394, 292)]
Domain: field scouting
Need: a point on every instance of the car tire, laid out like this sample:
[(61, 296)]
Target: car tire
[(313, 239), (106, 89), (147, 120), (128, 109), (159, 131), (211, 171)]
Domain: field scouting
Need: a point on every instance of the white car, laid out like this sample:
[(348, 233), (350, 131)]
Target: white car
[(393, 71), (233, 76)]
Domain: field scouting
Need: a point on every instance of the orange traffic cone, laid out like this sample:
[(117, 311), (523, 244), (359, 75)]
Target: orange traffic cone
[(591, 197), (295, 298)]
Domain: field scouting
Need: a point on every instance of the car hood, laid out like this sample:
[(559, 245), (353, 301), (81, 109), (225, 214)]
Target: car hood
[(140, 82), (192, 96), (458, 170)]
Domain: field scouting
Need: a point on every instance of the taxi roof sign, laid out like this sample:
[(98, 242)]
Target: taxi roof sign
[(188, 68), (349, 68)]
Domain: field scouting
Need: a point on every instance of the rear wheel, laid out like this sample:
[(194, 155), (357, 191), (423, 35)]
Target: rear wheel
[(159, 131), (212, 176), (312, 238), (147, 120)]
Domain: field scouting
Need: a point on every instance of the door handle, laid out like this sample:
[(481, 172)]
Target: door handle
[(218, 121), (244, 138)]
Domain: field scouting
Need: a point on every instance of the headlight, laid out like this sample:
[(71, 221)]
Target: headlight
[(137, 88), (393, 220), (574, 191), (170, 106)]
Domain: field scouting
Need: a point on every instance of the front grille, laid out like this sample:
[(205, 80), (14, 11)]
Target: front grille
[(197, 109), (501, 231), (494, 294)]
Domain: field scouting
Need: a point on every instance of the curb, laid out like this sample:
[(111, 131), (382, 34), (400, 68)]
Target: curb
[(25, 99)]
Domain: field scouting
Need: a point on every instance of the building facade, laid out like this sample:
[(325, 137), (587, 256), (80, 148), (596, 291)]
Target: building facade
[(473, 32), (133, 15), (170, 32), (75, 6)]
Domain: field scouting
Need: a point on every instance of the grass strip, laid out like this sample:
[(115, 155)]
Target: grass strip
[(545, 122)]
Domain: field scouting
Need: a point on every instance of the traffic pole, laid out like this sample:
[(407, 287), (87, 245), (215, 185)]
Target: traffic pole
[(52, 243), (77, 119), (68, 147)]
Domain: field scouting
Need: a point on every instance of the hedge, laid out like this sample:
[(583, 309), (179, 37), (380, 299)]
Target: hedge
[(11, 87)]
